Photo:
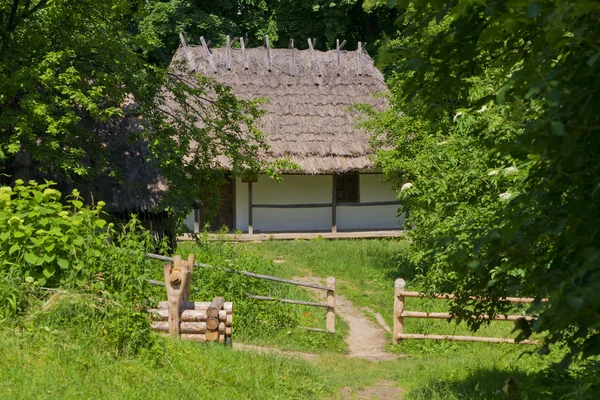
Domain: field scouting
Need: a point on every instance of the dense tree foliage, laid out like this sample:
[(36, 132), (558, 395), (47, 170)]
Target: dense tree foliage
[(70, 70), (492, 140)]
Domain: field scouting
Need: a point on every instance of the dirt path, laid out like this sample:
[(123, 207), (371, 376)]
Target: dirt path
[(382, 390), (365, 339)]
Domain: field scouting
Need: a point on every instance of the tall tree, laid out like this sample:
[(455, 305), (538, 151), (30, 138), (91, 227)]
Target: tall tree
[(67, 68), (492, 140)]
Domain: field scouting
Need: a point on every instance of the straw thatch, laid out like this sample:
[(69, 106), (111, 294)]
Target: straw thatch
[(307, 114)]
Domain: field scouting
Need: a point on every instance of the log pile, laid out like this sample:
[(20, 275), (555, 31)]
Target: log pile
[(180, 318), (198, 321)]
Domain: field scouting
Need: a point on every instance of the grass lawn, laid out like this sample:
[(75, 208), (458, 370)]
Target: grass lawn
[(48, 364)]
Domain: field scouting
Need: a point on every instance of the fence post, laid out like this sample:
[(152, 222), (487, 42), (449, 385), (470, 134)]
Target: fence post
[(399, 286), (331, 304)]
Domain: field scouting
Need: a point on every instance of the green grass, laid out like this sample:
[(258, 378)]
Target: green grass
[(54, 363)]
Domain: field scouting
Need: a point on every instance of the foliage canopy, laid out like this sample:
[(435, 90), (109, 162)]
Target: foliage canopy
[(492, 140)]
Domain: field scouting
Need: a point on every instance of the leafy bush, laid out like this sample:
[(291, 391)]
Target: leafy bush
[(101, 271)]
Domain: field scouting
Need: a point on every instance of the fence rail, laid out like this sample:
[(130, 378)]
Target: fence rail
[(400, 313), (330, 289)]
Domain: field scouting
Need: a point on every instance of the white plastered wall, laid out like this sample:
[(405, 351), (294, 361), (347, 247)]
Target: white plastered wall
[(303, 189)]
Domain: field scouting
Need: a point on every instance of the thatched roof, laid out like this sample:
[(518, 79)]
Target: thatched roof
[(308, 116)]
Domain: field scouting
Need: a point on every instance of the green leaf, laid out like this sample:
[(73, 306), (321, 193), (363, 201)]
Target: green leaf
[(49, 270), (19, 234), (100, 223), (49, 247), (31, 258), (64, 264), (14, 248)]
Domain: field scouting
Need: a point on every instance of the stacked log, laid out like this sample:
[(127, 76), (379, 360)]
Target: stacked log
[(199, 321)]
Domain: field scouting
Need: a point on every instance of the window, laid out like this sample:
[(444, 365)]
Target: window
[(346, 188)]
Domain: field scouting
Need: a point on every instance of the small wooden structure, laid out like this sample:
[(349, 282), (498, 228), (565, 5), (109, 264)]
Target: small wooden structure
[(181, 318), (400, 313)]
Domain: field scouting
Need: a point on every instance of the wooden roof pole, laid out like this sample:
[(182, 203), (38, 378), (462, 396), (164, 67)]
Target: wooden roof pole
[(208, 54), (269, 65), (228, 54), (244, 55), (311, 44), (358, 51), (293, 64), (338, 48), (190, 59)]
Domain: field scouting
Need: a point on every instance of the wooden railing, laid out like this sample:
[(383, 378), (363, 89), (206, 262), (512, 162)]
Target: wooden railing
[(329, 289), (400, 314)]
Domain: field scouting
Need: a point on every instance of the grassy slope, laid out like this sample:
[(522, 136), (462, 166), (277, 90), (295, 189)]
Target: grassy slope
[(50, 365)]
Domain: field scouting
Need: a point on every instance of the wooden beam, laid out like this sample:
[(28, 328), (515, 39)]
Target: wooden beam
[(269, 64), (334, 204), (208, 54), (370, 203), (337, 67), (307, 205), (461, 338), (188, 56), (445, 315), (452, 297), (250, 229), (314, 56), (244, 55)]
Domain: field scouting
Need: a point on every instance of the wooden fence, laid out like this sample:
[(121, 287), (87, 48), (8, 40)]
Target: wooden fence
[(329, 289), (400, 314)]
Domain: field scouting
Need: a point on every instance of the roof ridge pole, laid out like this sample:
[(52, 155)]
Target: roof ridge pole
[(358, 51), (338, 48), (293, 65), (314, 56), (208, 54), (269, 65), (228, 54), (244, 52), (188, 56)]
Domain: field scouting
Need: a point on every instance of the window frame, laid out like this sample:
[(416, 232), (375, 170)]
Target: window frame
[(346, 184)]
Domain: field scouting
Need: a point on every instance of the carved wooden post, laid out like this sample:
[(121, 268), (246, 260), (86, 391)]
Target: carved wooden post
[(177, 281), (331, 304), (399, 286)]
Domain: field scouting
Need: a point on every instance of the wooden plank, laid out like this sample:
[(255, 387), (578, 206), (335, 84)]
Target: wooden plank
[(452, 297), (300, 302), (334, 201), (250, 229), (461, 338), (445, 315), (184, 315), (305, 205)]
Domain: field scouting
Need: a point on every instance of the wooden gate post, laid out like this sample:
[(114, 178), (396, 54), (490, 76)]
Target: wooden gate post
[(177, 281), (399, 286), (331, 304)]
